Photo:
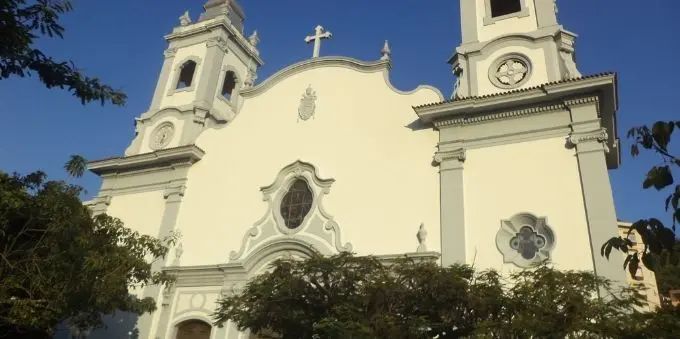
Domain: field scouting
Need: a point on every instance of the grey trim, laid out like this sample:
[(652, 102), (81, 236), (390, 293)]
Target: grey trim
[(176, 72), (489, 20), (599, 91), (597, 198), (173, 199), (546, 13), (493, 70), (210, 74), (452, 204), (318, 223), (99, 204), (200, 32), (171, 156), (163, 78)]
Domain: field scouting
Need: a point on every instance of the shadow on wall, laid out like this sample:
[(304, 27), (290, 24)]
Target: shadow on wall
[(123, 325)]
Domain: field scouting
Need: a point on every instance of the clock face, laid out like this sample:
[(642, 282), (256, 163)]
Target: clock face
[(162, 136)]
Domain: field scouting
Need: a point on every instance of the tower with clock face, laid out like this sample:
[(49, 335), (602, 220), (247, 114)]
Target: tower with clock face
[(204, 69)]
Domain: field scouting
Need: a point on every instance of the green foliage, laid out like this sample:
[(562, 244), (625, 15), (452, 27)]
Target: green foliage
[(21, 23), (76, 166), (359, 297), (58, 263), (658, 239)]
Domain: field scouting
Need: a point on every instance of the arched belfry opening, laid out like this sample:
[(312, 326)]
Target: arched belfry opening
[(505, 7), (193, 329), (229, 84), (186, 74)]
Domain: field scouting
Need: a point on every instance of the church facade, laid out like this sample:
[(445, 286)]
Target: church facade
[(326, 156)]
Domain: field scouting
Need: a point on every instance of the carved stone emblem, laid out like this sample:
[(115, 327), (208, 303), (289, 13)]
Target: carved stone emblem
[(307, 104)]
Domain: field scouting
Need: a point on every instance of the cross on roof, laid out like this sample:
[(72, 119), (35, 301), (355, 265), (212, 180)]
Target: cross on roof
[(320, 33)]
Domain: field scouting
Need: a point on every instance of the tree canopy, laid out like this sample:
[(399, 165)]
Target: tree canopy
[(59, 263), (345, 296), (22, 22)]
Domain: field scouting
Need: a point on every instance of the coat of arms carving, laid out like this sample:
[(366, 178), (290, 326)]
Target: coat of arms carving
[(307, 104)]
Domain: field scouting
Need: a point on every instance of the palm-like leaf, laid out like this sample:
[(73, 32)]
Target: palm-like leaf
[(75, 166)]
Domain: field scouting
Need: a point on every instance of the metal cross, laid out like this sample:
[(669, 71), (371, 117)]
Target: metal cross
[(320, 33)]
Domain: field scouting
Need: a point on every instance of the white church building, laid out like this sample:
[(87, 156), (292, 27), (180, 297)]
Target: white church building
[(326, 155)]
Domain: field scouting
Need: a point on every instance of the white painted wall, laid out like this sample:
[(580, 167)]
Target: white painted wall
[(538, 177), (507, 26), (385, 183), (538, 76)]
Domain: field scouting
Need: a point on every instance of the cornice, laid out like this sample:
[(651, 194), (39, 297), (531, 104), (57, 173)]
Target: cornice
[(183, 155), (329, 61), (210, 25), (524, 101), (480, 118)]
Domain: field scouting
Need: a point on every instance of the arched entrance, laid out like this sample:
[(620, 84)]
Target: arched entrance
[(193, 329)]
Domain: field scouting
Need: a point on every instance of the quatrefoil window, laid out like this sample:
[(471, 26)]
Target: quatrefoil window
[(525, 240), (510, 71)]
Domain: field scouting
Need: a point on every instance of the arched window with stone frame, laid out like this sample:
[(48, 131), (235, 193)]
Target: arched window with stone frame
[(230, 85), (193, 329), (185, 75)]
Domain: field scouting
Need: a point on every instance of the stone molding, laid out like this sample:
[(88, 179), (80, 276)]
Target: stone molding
[(170, 52), (596, 136), (444, 156), (212, 25), (183, 155), (509, 114), (219, 42)]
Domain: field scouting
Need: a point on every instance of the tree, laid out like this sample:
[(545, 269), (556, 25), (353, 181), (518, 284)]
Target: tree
[(658, 239), (21, 23), (59, 263), (344, 296)]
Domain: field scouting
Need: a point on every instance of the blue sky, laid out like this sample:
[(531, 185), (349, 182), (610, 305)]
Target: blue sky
[(122, 43)]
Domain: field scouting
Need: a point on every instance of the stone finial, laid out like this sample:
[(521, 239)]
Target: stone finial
[(254, 38), (386, 51), (178, 255), (185, 19), (250, 79), (422, 236)]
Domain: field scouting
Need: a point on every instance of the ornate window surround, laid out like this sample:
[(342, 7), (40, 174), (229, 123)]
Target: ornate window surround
[(503, 58), (178, 69), (509, 228), (318, 230), (233, 102), (489, 20)]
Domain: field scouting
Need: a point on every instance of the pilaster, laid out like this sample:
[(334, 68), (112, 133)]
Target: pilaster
[(100, 204), (173, 199), (591, 147), (163, 78), (452, 208), (210, 72)]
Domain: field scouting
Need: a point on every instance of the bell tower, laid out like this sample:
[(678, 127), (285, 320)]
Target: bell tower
[(206, 65), (525, 145), (511, 44)]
